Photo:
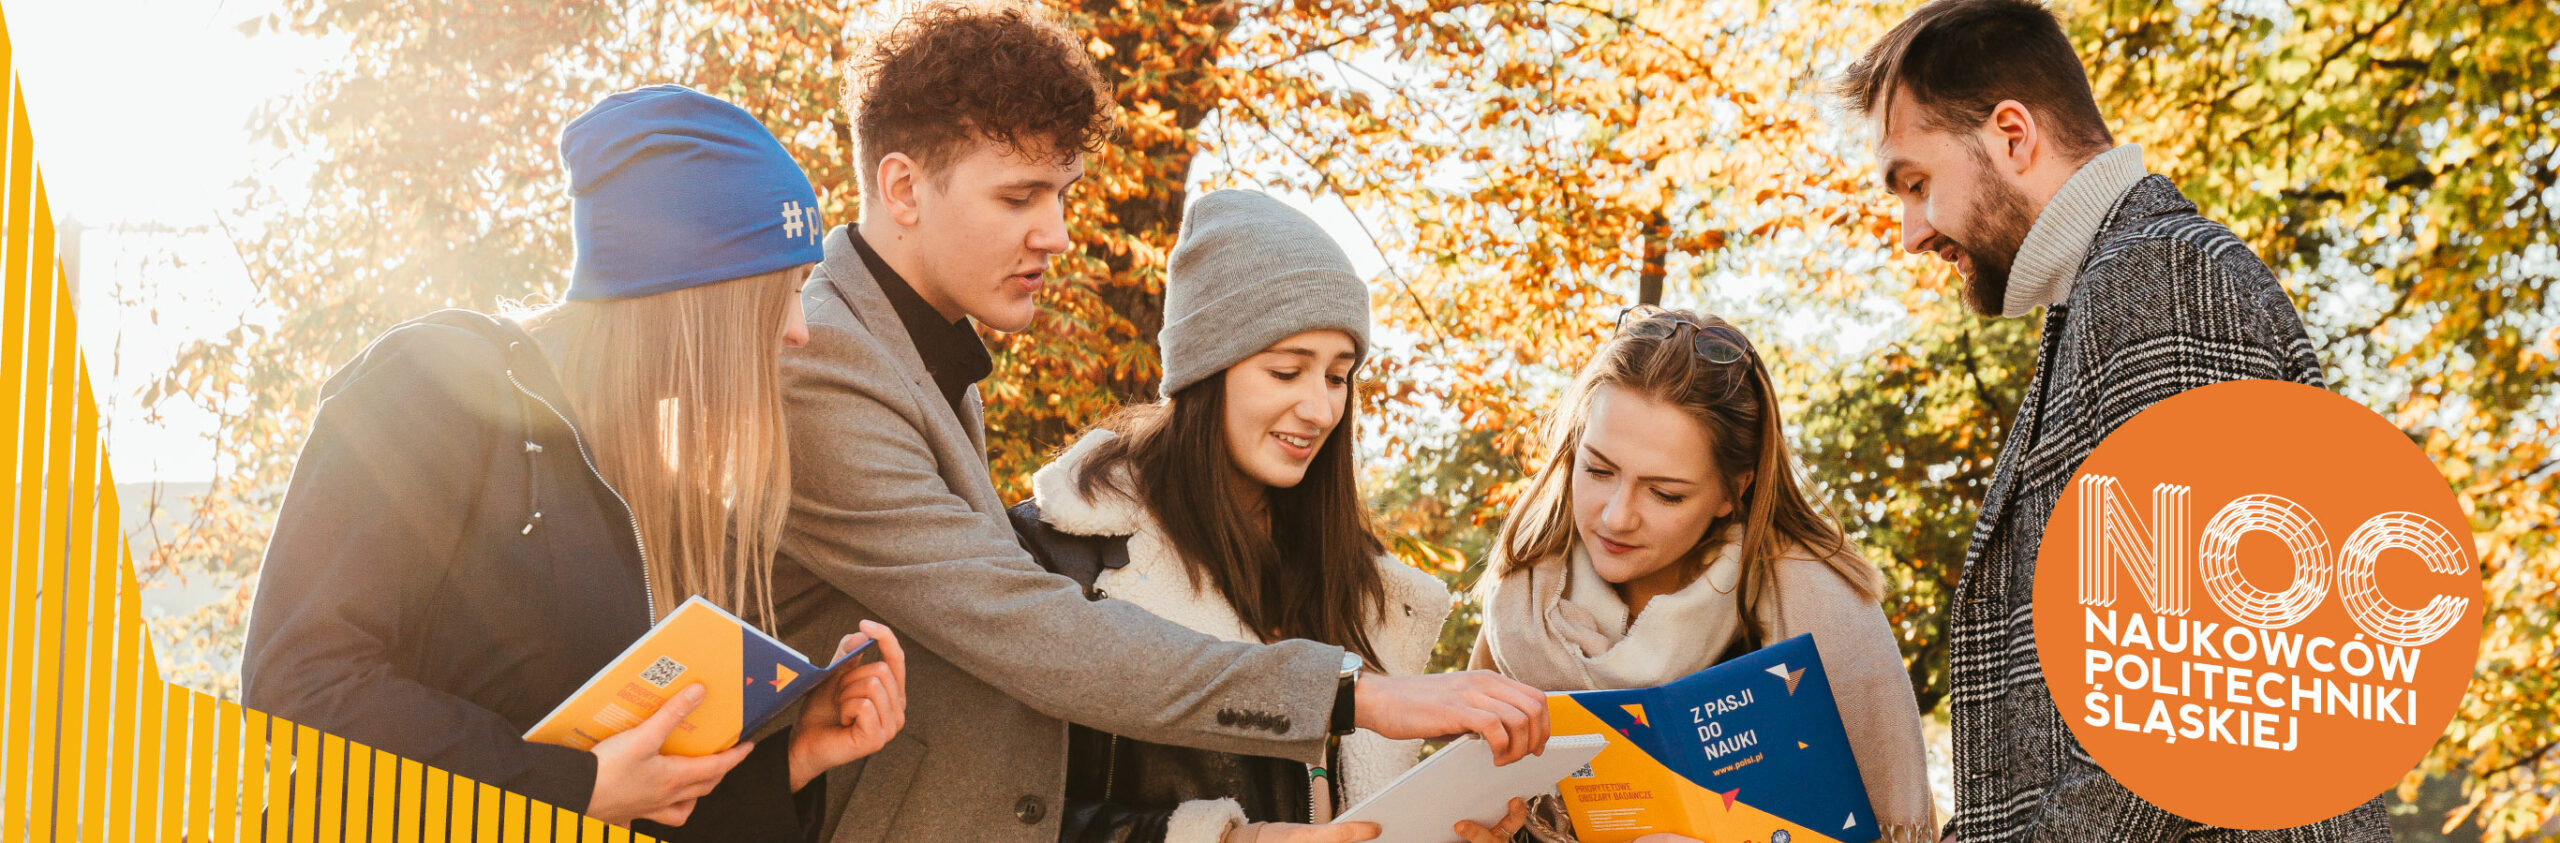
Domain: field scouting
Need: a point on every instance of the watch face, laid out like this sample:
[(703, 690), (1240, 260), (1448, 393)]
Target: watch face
[(1350, 662)]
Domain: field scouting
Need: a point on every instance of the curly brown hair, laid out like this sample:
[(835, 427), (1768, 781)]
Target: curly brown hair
[(948, 73)]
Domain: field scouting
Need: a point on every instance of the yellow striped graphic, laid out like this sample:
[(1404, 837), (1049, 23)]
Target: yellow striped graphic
[(94, 744)]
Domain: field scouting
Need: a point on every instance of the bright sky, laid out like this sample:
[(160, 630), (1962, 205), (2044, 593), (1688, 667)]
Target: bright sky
[(139, 109)]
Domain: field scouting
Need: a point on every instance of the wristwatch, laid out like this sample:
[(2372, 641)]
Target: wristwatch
[(1342, 697)]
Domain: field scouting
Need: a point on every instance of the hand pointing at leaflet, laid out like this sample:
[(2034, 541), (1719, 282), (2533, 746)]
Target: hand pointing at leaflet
[(1510, 716)]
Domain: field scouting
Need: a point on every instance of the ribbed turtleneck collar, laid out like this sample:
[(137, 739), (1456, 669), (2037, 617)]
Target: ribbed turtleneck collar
[(2051, 255)]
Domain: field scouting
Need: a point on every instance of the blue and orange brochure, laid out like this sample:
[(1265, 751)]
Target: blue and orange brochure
[(750, 676), (1748, 750)]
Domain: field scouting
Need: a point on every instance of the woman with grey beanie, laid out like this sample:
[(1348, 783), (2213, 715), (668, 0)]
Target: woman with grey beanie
[(1232, 507)]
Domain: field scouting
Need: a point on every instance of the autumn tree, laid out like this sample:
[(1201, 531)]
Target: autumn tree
[(2394, 162), (2399, 164), (1548, 147), (1524, 169)]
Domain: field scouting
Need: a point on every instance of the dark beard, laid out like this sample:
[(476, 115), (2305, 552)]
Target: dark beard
[(2000, 225)]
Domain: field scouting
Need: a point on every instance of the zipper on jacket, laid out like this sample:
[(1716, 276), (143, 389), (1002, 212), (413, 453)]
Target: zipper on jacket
[(1110, 767), (648, 588), (1312, 816)]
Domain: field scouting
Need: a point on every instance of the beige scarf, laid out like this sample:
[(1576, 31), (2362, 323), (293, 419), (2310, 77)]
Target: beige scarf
[(1558, 626)]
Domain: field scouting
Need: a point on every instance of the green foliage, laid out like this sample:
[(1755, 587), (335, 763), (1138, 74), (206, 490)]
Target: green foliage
[(2395, 161)]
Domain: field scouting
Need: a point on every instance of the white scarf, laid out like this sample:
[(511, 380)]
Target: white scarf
[(1560, 627)]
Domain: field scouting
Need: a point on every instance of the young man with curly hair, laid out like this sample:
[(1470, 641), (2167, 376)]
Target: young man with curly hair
[(972, 123)]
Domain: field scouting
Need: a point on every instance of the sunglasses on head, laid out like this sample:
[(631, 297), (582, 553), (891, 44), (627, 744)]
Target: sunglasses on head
[(1711, 343)]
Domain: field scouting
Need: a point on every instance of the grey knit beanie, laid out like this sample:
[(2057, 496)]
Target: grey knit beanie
[(1248, 271)]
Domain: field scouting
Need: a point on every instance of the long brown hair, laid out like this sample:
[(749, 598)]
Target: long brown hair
[(1734, 402), (678, 397), (1309, 570)]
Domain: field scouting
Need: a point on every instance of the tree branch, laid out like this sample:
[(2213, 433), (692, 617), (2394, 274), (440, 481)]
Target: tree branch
[(1429, 316), (2322, 67), (2532, 758), (1973, 372)]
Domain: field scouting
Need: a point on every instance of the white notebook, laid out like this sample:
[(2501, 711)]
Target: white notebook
[(1460, 783)]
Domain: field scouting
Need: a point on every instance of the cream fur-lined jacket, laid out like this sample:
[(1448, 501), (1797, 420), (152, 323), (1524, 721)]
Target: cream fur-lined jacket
[(1156, 580)]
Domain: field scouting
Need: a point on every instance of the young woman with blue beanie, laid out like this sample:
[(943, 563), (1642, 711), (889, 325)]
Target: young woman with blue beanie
[(491, 507)]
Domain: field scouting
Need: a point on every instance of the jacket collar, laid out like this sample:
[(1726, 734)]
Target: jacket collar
[(844, 272), (1409, 591), (852, 281), (1073, 512), (951, 351), (522, 355), (2149, 197), (2063, 233)]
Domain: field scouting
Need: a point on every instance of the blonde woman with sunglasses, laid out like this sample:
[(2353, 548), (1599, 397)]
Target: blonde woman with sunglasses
[(1668, 532)]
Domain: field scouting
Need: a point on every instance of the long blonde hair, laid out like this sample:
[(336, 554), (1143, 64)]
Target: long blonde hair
[(1734, 401), (678, 396)]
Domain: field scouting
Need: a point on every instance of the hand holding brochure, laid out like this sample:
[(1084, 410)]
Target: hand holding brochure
[(1460, 782), (1751, 749), (750, 677)]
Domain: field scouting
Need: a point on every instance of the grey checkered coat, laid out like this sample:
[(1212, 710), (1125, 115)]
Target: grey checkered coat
[(2166, 300)]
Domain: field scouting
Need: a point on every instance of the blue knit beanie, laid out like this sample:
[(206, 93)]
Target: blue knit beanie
[(672, 188)]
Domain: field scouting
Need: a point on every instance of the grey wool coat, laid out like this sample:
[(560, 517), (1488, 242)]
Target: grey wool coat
[(2164, 301), (894, 518)]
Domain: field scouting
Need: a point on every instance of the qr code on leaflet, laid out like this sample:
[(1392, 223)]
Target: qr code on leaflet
[(664, 671), (1583, 773)]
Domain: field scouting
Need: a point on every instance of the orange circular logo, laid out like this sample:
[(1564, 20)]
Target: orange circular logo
[(2257, 604)]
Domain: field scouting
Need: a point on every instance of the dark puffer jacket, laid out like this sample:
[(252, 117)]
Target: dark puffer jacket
[(448, 566)]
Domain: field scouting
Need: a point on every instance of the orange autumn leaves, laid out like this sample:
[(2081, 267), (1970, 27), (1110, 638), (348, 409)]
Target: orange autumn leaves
[(1522, 168)]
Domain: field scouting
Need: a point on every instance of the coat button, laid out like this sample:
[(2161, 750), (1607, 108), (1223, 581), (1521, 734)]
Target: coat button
[(1226, 717), (1028, 810), (1280, 724)]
